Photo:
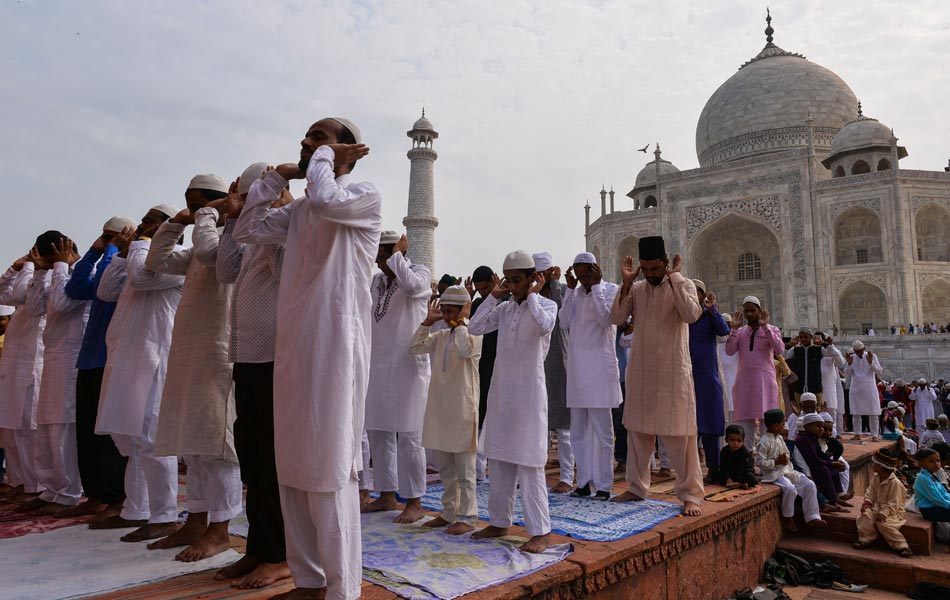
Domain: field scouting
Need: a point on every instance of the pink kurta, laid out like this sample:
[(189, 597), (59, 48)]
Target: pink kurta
[(755, 390), (659, 379)]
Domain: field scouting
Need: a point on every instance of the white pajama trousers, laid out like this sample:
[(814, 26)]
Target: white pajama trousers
[(845, 475), (214, 487), (592, 438), (399, 462), (323, 539), (365, 482), (505, 478), (481, 463), (805, 488), (25, 442), (683, 451), (874, 423), (457, 471), (565, 455), (57, 463), (151, 482)]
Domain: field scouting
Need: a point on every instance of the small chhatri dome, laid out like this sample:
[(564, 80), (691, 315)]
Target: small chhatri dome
[(647, 175), (863, 133), (762, 108), (423, 122)]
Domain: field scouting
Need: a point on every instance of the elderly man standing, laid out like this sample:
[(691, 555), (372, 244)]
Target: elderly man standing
[(593, 389), (863, 366), (321, 360), (703, 341), (661, 399)]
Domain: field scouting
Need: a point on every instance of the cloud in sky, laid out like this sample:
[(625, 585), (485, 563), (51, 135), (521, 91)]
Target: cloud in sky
[(111, 106)]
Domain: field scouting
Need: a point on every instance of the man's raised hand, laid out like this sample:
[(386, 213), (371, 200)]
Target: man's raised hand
[(555, 273), (402, 245), (466, 311), (597, 274), (235, 204), (571, 280), (736, 319), (63, 252), (629, 271), (763, 318), (434, 313), (470, 287), (537, 283), (184, 217), (18, 263), (290, 171), (499, 287), (345, 154), (123, 239), (675, 265)]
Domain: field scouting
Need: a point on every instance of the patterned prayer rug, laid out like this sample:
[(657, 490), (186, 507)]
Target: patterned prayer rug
[(422, 564), (580, 518), (14, 524)]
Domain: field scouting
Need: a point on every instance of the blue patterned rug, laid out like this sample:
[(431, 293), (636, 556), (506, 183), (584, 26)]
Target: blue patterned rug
[(579, 518)]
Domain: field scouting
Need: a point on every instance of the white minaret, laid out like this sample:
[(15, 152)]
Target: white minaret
[(421, 222)]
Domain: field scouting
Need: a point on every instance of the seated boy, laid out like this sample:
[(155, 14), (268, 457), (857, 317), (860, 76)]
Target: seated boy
[(450, 427), (883, 508), (831, 446), (772, 457), (931, 435), (932, 498), (823, 470), (944, 427), (736, 466)]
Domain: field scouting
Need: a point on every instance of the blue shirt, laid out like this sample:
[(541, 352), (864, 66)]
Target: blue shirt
[(704, 353), (82, 285), (930, 493)]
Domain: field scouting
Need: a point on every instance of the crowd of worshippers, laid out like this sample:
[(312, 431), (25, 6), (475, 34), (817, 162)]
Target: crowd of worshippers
[(270, 352)]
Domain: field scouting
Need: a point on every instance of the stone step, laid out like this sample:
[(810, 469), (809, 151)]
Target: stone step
[(878, 568), (842, 527)]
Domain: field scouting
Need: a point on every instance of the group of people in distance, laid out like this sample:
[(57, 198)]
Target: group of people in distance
[(271, 353)]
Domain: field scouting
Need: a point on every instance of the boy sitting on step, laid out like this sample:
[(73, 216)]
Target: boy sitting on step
[(931, 435), (883, 508), (773, 459), (736, 467), (931, 497)]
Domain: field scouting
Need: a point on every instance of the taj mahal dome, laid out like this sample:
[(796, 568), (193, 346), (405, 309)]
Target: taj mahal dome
[(800, 200)]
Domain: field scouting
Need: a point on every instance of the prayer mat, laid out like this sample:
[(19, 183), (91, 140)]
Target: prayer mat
[(580, 518), (424, 564), (14, 524), (76, 562)]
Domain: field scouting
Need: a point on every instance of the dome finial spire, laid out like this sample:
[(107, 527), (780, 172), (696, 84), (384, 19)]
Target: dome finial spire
[(860, 111), (768, 29), (423, 112)]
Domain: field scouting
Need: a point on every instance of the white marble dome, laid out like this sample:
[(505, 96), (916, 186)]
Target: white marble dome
[(423, 123), (647, 175), (763, 107), (861, 133)]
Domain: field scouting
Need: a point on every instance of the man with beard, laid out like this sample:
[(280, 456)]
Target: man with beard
[(661, 400), (138, 341), (321, 361)]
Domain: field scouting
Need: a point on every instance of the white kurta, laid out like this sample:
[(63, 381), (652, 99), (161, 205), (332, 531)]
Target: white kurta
[(65, 324), (138, 341), (592, 380), (728, 367), (923, 406), (321, 367), (863, 397), (21, 366), (197, 405), (516, 426), (398, 379), (831, 361)]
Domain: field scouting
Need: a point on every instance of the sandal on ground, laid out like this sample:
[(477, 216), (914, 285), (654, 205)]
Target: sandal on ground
[(861, 545), (848, 587)]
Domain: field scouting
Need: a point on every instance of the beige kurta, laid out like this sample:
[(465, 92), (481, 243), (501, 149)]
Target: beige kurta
[(451, 416), (887, 497), (659, 380), (197, 409)]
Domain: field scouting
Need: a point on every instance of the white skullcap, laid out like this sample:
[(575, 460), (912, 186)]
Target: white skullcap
[(727, 318), (519, 259), (901, 410), (168, 210), (117, 224), (208, 181), (455, 295), (899, 382), (700, 285), (542, 261), (944, 417), (857, 345), (250, 175), (6, 311), (827, 418), (892, 404), (753, 300), (921, 380), (351, 126), (810, 418), (585, 258), (809, 396), (389, 237)]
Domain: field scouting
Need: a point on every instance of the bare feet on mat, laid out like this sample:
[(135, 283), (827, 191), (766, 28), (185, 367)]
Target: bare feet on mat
[(24, 497), (844, 502), (116, 522), (264, 575), (818, 524), (188, 534), (214, 541), (239, 568), (50, 509), (831, 508), (364, 498), (846, 496), (150, 531), (31, 505), (386, 501), (8, 492), (788, 524), (537, 544), (459, 528), (302, 594), (490, 532), (691, 509), (627, 496), (436, 522), (562, 488), (89, 507), (111, 510), (412, 513)]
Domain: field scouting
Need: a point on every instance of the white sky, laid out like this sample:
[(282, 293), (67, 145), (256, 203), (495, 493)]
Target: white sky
[(109, 107)]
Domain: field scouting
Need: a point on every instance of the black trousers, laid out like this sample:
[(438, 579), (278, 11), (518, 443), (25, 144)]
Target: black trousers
[(254, 442), (620, 432), (101, 467)]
